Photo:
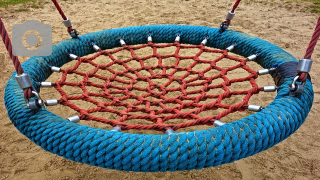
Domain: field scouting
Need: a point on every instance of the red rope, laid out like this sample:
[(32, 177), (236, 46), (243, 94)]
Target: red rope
[(225, 24), (15, 60), (313, 41), (235, 5), (64, 17), (128, 101), (7, 43), (59, 9)]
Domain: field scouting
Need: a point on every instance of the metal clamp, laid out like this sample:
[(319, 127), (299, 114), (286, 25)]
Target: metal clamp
[(23, 80), (116, 128), (74, 119), (255, 108), (230, 15), (177, 38), (218, 123), (45, 84), (204, 42), (51, 102), (304, 65), (67, 22), (122, 42), (73, 56), (34, 104), (55, 69), (231, 48), (149, 38), (270, 88), (265, 71), (252, 57), (95, 47), (169, 131)]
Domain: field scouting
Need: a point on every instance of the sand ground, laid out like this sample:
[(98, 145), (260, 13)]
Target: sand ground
[(283, 24)]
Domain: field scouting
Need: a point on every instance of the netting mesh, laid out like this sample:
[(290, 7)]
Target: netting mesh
[(170, 88)]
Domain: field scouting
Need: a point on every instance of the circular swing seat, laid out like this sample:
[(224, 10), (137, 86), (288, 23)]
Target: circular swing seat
[(150, 153)]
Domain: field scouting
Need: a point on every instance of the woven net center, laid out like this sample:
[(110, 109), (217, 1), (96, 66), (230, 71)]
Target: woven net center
[(158, 89)]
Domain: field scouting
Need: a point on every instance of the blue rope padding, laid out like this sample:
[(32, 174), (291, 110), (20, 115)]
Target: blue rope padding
[(178, 151)]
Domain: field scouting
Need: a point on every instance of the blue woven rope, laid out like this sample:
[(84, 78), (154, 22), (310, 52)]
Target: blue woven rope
[(179, 151)]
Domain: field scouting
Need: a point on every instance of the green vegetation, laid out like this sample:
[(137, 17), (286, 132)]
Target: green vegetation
[(36, 6), (316, 6), (21, 10), (13, 2), (27, 4)]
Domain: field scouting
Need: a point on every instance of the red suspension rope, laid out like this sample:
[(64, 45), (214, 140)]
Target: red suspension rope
[(304, 75), (71, 30), (7, 43), (15, 59), (313, 41), (64, 17), (235, 5), (226, 23)]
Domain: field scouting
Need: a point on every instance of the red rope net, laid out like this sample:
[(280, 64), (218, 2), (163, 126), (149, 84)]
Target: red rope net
[(152, 103)]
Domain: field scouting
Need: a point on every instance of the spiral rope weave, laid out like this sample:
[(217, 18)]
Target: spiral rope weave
[(156, 97), (177, 151)]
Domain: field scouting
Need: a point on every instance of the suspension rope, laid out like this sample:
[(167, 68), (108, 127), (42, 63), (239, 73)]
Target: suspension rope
[(226, 23), (313, 41), (7, 43), (15, 60), (236, 4), (73, 33)]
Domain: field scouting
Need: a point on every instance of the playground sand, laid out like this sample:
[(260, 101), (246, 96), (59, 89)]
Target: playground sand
[(282, 24)]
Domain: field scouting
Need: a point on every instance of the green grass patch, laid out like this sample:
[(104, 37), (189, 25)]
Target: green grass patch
[(35, 6), (21, 10), (314, 7), (13, 2)]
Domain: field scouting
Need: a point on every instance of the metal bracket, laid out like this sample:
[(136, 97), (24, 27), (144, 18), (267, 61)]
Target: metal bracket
[(224, 26), (296, 89), (74, 33), (34, 104)]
